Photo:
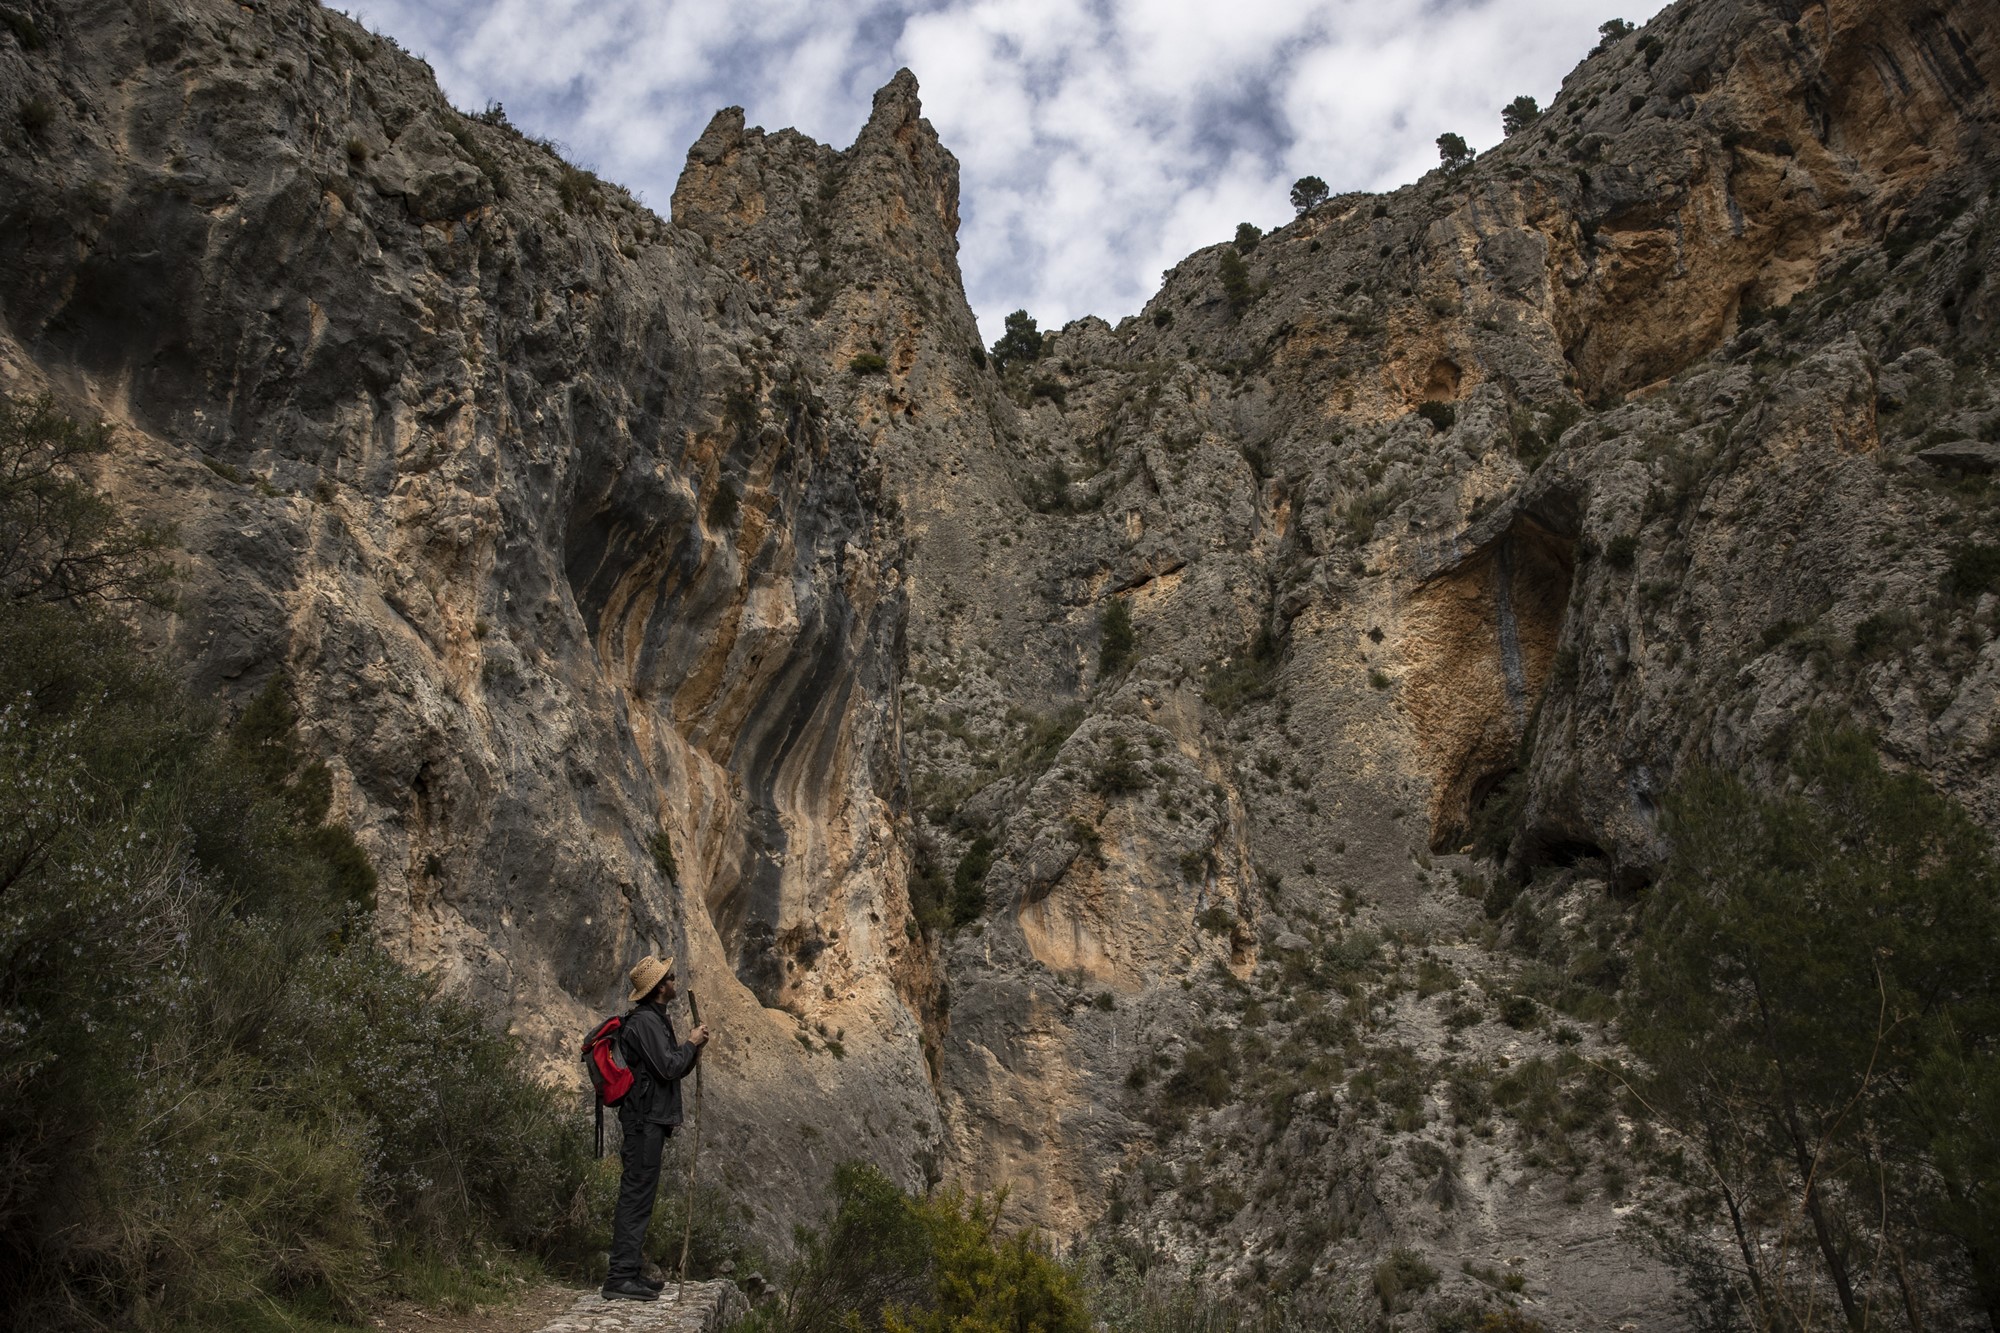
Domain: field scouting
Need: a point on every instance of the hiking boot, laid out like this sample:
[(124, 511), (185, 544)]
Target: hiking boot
[(630, 1289), (656, 1283)]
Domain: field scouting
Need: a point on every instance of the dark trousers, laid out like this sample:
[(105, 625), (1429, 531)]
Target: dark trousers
[(637, 1188)]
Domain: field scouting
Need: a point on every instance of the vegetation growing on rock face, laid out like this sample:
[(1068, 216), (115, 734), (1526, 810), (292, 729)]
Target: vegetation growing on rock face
[(1115, 637), (1246, 676), (1321, 1047), (1518, 114), (66, 545), (1817, 1002), (1402, 1275), (217, 1093), (1610, 33), (1019, 343), (968, 882), (1453, 151), (1237, 289), (1247, 236)]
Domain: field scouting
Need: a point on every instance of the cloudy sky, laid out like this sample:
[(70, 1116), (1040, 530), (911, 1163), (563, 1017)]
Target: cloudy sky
[(1100, 140)]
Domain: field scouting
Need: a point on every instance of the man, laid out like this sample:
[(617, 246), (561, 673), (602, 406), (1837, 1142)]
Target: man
[(646, 1120)]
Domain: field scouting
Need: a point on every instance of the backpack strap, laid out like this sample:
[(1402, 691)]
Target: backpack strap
[(600, 1129)]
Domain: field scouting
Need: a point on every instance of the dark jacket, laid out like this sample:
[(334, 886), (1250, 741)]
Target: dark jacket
[(658, 1061)]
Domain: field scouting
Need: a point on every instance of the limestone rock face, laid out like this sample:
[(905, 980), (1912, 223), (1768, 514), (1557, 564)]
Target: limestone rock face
[(578, 577), (702, 586)]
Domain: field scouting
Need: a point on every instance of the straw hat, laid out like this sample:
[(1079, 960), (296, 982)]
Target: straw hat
[(647, 973)]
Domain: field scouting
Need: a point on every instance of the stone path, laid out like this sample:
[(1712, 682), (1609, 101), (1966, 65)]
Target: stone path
[(704, 1307)]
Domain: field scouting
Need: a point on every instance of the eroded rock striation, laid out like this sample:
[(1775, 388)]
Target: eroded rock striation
[(701, 585)]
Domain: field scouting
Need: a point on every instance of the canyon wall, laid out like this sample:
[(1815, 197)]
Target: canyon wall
[(703, 585)]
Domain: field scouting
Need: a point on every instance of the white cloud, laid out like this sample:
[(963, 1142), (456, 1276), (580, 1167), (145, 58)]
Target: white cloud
[(1100, 140)]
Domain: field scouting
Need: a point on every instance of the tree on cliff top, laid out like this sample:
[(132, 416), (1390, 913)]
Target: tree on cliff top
[(1308, 193), (1518, 114), (1610, 33), (1020, 343), (1453, 151)]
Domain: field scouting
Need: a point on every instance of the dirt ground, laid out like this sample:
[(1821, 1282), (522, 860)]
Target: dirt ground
[(537, 1307)]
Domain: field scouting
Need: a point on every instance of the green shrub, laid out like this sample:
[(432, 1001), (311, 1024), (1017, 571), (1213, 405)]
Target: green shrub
[(868, 363), (1974, 569), (1885, 634), (1119, 772), (1519, 1011), (968, 882), (1115, 637), (580, 191), (1468, 1097), (982, 1281), (661, 846), (1043, 737), (1401, 1276), (1518, 114), (1434, 977), (1207, 1073), (1352, 954), (489, 166), (1621, 550), (1248, 676), (37, 114), (1537, 430), (723, 503), (1247, 236), (1047, 491), (929, 890), (24, 29), (936, 1264)]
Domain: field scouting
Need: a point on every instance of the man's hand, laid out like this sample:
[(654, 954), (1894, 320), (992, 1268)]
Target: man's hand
[(699, 1037)]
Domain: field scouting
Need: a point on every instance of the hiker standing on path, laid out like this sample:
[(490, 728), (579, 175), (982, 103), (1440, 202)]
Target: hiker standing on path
[(646, 1120)]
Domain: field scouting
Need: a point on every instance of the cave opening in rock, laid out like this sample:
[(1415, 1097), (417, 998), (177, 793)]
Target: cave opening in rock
[(1482, 637)]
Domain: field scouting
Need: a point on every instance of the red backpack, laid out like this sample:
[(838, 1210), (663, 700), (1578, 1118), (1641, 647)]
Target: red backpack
[(604, 1057)]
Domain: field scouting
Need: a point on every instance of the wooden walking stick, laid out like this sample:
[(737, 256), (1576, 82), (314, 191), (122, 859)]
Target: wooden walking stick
[(694, 1152)]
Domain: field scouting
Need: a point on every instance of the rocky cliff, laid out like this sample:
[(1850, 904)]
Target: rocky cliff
[(704, 585)]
